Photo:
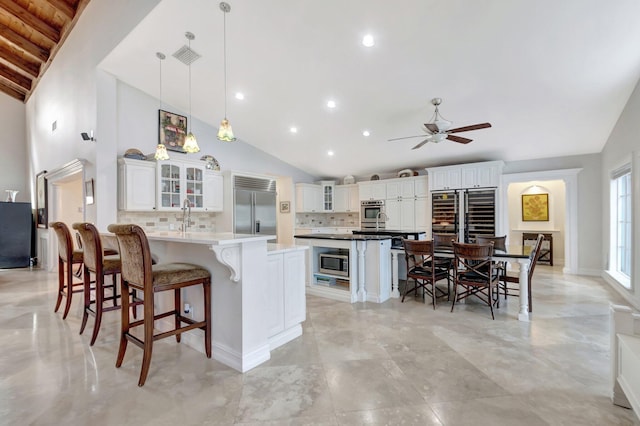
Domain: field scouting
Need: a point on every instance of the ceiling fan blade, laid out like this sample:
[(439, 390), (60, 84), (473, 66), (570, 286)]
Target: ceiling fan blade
[(406, 137), (432, 127), (468, 128), (421, 143), (458, 139)]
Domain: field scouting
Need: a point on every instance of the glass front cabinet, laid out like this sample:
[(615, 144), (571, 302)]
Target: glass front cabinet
[(177, 182)]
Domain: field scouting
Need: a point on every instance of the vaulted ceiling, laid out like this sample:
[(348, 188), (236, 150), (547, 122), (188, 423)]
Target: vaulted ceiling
[(31, 32)]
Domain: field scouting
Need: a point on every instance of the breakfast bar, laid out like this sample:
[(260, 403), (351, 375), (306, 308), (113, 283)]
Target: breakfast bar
[(256, 306)]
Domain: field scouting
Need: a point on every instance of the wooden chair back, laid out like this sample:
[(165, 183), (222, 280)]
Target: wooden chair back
[(91, 245), (474, 261), (499, 243), (135, 255), (65, 245), (417, 253), (444, 240)]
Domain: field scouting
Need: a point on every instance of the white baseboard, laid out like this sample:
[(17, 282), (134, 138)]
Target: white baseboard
[(285, 336)]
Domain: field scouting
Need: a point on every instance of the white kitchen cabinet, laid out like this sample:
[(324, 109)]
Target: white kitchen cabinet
[(400, 188), (308, 198), (372, 190), (327, 190), (178, 181), (213, 191), (346, 199), (402, 214), (136, 185), (423, 215), (472, 175), (286, 303)]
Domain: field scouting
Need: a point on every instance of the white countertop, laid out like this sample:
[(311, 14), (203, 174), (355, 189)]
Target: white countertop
[(273, 248), (209, 238)]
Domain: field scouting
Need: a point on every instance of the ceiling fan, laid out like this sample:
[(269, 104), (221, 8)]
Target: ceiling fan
[(439, 129)]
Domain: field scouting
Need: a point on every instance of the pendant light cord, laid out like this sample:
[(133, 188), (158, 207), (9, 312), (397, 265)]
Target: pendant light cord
[(190, 124), (224, 49)]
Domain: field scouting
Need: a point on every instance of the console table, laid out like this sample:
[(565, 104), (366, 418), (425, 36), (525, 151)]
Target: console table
[(546, 252)]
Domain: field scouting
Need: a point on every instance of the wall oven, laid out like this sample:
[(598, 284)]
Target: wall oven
[(334, 264), (372, 214)]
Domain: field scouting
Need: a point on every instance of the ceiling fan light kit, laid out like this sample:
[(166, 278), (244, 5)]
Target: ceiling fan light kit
[(439, 129)]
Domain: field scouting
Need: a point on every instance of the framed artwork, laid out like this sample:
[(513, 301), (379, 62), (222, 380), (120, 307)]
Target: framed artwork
[(41, 200), (535, 207), (172, 130), (285, 206), (88, 192)]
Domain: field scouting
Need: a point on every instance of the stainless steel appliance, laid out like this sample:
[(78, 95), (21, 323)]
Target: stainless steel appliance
[(254, 207), (334, 263), (466, 213), (372, 214)]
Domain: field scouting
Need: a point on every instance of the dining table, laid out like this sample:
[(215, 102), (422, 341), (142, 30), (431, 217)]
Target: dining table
[(519, 254)]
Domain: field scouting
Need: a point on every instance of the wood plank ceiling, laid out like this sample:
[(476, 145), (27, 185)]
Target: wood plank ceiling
[(31, 33)]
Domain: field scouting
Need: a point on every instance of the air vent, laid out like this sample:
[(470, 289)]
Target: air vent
[(256, 184), (186, 55)]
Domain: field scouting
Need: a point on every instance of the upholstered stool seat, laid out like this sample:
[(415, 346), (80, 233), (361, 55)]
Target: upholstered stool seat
[(139, 273)]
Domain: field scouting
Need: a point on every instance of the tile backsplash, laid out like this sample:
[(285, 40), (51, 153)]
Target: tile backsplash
[(351, 220), (166, 221)]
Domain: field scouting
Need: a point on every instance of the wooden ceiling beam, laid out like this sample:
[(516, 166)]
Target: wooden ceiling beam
[(9, 90), (25, 44), (30, 20), (28, 67), (63, 7), (15, 77)]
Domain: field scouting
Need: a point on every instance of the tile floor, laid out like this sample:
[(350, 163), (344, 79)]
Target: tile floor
[(375, 364)]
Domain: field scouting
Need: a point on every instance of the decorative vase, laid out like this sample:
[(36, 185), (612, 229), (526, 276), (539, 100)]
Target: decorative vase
[(11, 195)]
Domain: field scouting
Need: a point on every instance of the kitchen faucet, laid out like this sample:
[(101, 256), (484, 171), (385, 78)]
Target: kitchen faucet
[(186, 205), (380, 215)]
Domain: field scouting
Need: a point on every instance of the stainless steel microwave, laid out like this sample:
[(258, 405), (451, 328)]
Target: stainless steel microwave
[(334, 264)]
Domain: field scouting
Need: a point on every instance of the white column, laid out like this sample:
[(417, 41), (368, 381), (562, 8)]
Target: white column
[(395, 292), (362, 291), (523, 315)]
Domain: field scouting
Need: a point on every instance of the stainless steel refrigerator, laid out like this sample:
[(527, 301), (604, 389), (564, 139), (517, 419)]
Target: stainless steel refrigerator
[(254, 207), (465, 212)]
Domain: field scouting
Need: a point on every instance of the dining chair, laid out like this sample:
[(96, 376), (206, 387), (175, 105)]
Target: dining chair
[(515, 279), (475, 274), (139, 273), (67, 257), (445, 241), (96, 263), (499, 243), (424, 270)]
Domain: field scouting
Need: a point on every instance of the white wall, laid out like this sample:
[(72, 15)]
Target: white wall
[(589, 201), (13, 160), (623, 147), (555, 225)]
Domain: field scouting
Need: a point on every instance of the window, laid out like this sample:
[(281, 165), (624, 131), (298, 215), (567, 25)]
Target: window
[(620, 261)]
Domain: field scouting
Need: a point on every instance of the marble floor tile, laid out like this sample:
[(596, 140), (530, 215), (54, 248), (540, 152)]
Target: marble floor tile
[(355, 364)]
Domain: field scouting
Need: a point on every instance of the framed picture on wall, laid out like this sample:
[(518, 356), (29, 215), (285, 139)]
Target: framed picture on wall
[(172, 130), (285, 206), (41, 200), (535, 207)]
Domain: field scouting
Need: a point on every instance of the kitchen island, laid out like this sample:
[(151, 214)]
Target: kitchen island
[(257, 292), (368, 276)]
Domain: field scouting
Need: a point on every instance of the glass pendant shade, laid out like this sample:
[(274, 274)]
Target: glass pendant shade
[(225, 132), (190, 144), (161, 152)]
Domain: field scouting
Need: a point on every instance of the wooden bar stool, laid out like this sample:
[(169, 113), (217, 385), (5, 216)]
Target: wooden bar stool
[(100, 265), (138, 273), (69, 257)]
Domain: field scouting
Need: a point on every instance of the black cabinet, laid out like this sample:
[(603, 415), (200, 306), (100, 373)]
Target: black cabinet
[(16, 231)]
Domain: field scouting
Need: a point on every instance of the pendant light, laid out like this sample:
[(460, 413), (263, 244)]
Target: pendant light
[(161, 150), (225, 133), (190, 143)]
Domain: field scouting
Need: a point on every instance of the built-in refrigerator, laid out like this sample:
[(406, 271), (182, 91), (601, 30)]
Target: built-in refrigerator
[(466, 213), (254, 209), (16, 228)]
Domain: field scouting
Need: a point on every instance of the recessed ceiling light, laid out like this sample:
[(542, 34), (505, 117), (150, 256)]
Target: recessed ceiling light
[(329, 153), (240, 96), (368, 41), (331, 104), (293, 129), (365, 133)]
